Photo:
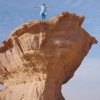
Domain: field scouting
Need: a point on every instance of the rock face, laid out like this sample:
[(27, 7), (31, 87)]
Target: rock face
[(39, 56)]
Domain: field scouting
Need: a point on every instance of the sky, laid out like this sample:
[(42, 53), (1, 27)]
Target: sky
[(85, 85)]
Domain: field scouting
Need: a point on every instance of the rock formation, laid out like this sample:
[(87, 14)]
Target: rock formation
[(39, 56)]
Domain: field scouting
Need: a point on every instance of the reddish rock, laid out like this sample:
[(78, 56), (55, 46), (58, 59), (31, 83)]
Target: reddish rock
[(39, 56)]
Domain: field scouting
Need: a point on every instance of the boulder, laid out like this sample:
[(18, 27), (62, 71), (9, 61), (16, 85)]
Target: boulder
[(40, 56)]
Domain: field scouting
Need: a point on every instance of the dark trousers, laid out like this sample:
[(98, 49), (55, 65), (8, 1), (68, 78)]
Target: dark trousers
[(43, 16)]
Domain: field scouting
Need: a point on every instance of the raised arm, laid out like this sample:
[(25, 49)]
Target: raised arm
[(36, 6), (49, 6)]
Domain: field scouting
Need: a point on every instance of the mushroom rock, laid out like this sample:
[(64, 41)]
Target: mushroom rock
[(39, 56)]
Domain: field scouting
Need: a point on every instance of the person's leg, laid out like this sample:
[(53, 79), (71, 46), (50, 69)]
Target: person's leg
[(43, 16)]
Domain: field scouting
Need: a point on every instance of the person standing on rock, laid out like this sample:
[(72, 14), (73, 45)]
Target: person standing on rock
[(43, 11)]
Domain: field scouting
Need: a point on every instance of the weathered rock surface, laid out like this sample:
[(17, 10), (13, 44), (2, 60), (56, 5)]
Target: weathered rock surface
[(39, 56)]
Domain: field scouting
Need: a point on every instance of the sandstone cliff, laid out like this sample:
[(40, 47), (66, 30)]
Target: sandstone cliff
[(39, 56)]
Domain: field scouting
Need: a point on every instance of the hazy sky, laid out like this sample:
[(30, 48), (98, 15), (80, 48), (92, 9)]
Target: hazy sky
[(85, 85)]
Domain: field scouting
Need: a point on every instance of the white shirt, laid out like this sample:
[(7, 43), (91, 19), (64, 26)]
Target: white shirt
[(43, 10)]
